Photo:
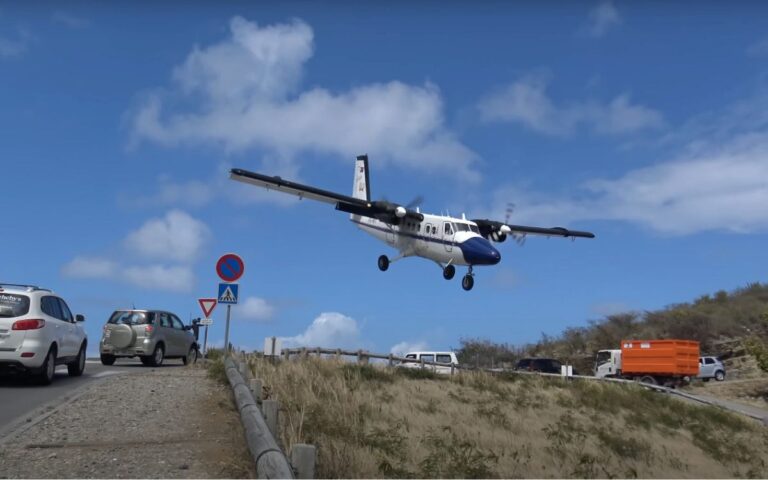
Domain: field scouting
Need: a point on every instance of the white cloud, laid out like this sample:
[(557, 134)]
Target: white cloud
[(526, 102), (170, 278), (89, 267), (721, 187), (254, 308), (177, 237), (192, 193), (329, 330), (150, 277), (69, 20), (404, 347), (601, 19), (248, 93), (14, 47)]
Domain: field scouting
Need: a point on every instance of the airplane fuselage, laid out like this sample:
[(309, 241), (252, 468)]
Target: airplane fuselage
[(443, 239)]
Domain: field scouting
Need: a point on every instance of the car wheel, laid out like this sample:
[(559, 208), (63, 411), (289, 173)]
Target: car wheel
[(157, 356), (49, 368), (107, 359), (76, 368), (719, 375), (190, 357)]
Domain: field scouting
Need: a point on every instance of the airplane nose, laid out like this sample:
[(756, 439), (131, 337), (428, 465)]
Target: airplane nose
[(479, 251)]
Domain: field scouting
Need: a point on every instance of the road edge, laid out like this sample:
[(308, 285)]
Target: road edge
[(41, 413)]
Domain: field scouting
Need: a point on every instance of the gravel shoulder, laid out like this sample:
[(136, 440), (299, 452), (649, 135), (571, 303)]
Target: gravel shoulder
[(171, 422)]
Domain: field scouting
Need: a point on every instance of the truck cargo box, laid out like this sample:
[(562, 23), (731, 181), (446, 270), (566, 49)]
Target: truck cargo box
[(660, 357)]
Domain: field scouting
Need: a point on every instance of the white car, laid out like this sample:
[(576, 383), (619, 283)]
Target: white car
[(38, 332), (447, 358), (711, 367)]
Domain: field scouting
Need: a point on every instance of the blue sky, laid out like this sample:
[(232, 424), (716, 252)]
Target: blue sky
[(643, 122)]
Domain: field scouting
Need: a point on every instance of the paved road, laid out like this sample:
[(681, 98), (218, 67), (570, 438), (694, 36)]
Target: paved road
[(19, 396)]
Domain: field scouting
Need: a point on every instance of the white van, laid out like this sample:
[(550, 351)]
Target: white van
[(415, 358)]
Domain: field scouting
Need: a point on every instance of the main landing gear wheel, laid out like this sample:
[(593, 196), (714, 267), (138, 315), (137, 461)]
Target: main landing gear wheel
[(467, 282), (383, 263), (448, 272)]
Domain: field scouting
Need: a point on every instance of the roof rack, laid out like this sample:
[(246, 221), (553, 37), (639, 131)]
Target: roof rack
[(30, 288)]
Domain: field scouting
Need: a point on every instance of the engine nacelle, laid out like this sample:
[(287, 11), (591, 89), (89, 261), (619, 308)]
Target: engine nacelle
[(498, 236), (400, 212)]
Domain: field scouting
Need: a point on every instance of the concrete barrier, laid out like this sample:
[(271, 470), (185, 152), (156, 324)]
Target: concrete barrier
[(269, 458)]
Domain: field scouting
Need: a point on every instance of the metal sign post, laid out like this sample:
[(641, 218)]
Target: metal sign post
[(226, 331), (205, 342)]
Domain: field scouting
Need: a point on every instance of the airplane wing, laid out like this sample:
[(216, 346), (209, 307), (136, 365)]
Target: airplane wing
[(498, 231), (385, 211)]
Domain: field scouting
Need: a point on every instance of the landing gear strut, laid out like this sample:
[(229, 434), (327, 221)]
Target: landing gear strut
[(383, 263), (469, 280), (449, 271)]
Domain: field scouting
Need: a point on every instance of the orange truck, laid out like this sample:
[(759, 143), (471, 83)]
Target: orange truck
[(660, 362)]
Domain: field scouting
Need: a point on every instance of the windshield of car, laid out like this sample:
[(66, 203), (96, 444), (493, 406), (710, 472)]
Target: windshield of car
[(131, 318), (13, 305)]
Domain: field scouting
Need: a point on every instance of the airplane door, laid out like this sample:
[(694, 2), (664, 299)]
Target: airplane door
[(448, 236), (390, 235)]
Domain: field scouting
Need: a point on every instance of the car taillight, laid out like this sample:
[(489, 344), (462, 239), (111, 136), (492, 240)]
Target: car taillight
[(31, 324), (148, 329)]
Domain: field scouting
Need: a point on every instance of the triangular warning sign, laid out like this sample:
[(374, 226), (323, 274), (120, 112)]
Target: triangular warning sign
[(228, 296), (207, 305)]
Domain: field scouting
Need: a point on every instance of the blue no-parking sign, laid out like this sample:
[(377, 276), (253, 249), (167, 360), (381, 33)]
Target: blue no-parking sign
[(228, 293)]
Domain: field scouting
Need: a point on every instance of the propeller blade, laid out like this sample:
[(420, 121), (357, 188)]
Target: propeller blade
[(416, 202)]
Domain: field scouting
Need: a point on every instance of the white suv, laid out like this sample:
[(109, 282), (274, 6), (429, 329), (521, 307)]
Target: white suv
[(38, 332), (445, 358)]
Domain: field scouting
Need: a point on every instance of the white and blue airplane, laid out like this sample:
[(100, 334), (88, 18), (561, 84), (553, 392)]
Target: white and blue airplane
[(446, 240)]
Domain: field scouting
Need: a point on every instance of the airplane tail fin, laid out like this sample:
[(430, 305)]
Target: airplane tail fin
[(361, 188)]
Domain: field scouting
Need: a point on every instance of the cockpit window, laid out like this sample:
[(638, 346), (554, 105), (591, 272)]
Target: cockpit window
[(474, 228), (462, 227), (448, 229)]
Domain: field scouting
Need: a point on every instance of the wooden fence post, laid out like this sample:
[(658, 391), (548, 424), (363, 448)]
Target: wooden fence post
[(338, 354), (391, 361), (318, 352), (421, 359), (270, 410), (255, 388), (362, 359), (303, 458)]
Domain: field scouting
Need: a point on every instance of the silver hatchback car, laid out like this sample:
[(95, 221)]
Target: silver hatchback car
[(151, 335)]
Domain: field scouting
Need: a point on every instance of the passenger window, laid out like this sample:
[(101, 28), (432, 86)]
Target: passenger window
[(50, 306), (411, 356), (434, 230), (443, 359), (709, 361), (65, 312), (428, 358), (448, 229), (165, 321), (177, 323)]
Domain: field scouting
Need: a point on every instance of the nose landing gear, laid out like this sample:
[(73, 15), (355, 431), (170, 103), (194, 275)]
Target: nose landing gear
[(383, 263)]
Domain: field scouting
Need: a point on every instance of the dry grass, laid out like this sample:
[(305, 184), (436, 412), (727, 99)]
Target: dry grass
[(372, 422)]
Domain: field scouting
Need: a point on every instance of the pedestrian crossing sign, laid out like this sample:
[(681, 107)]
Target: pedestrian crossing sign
[(228, 293)]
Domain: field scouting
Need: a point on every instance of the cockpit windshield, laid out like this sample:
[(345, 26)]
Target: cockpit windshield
[(466, 227)]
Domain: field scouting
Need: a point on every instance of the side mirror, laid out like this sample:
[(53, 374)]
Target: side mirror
[(79, 318)]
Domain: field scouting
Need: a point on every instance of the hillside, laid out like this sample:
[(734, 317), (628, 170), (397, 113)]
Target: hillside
[(719, 322), (369, 421)]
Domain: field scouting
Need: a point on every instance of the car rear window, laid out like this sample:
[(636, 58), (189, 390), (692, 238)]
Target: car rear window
[(13, 305), (131, 318)]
